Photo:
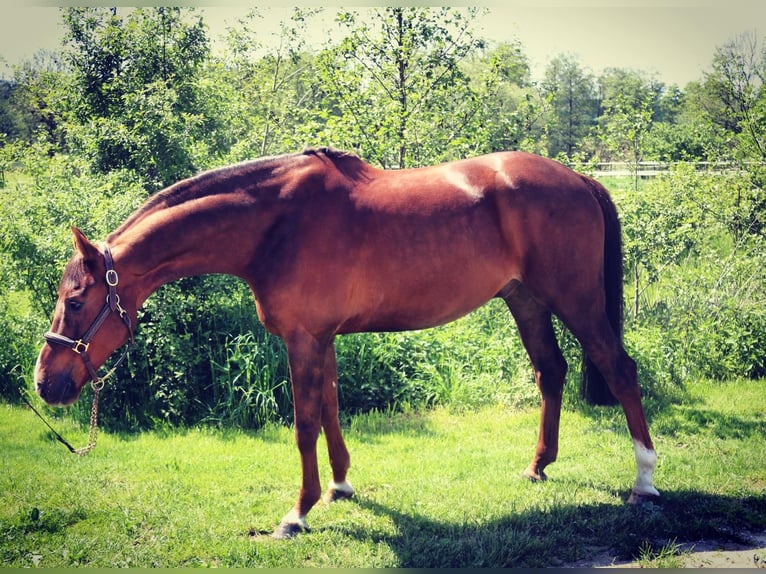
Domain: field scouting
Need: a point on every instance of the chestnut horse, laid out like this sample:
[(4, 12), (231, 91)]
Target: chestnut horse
[(331, 245)]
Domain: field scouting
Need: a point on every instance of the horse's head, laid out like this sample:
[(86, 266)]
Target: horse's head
[(89, 323)]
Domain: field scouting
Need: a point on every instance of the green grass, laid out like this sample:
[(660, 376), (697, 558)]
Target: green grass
[(669, 556), (433, 490)]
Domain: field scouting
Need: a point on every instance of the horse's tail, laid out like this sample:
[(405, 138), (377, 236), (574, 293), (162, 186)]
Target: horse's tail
[(593, 386)]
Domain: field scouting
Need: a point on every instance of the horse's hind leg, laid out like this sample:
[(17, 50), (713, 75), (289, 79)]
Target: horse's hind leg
[(536, 331), (604, 349), (336, 447)]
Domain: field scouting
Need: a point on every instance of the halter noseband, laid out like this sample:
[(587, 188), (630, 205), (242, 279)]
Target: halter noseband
[(112, 305)]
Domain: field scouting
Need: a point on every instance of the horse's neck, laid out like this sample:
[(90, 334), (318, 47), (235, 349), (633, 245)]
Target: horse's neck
[(180, 242), (213, 223)]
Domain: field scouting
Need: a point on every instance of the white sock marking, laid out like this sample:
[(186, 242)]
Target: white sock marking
[(293, 517), (646, 461), (344, 486)]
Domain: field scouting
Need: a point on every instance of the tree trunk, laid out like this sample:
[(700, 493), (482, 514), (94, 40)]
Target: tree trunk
[(635, 291), (402, 68)]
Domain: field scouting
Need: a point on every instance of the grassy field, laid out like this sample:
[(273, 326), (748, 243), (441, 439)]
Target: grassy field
[(433, 490)]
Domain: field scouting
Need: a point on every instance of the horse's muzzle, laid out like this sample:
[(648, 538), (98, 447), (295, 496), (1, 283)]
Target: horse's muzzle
[(58, 391)]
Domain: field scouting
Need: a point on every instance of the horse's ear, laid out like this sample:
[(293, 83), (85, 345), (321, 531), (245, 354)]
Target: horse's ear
[(88, 251)]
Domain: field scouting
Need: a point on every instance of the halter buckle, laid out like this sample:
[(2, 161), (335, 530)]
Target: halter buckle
[(80, 347), (112, 279)]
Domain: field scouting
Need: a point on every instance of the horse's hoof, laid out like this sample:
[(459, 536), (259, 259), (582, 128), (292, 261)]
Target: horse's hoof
[(287, 530), (292, 525), (534, 476), (338, 491), (332, 495), (640, 499)]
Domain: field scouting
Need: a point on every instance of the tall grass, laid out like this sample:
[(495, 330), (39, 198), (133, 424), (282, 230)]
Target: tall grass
[(475, 361), (249, 386)]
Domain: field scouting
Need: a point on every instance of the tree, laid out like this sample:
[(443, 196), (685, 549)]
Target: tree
[(112, 56), (269, 90), (137, 103), (510, 106), (737, 104), (736, 83), (659, 226), (683, 140), (14, 124), (676, 134), (42, 97), (627, 116), (571, 92), (395, 86)]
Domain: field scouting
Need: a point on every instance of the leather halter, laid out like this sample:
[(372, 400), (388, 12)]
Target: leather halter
[(112, 305)]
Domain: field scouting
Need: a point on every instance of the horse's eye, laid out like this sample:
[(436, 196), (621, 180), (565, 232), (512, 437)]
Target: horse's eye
[(74, 305)]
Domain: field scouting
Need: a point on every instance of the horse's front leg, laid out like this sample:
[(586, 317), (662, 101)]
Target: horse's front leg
[(336, 447), (306, 357)]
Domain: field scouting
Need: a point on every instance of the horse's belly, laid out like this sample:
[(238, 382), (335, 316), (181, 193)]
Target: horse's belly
[(422, 296)]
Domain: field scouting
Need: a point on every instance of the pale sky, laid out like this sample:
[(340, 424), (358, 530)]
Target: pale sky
[(674, 39)]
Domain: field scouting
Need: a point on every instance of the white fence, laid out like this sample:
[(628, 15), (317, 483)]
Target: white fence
[(646, 169)]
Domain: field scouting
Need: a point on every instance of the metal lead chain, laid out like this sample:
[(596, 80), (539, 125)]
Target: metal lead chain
[(93, 432)]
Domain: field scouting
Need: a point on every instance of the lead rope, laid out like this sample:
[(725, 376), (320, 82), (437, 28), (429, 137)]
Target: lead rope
[(92, 432), (96, 385)]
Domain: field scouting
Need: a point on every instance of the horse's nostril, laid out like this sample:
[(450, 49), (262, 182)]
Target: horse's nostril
[(41, 389)]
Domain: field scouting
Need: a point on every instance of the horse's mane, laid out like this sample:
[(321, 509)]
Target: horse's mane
[(330, 152), (238, 176), (348, 163)]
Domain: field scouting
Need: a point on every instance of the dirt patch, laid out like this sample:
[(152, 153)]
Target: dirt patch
[(748, 552)]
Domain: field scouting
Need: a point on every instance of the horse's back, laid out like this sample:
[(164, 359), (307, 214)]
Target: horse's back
[(506, 206)]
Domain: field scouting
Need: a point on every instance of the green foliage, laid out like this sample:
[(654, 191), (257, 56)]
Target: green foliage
[(572, 95), (268, 92), (199, 355), (507, 105), (136, 101), (676, 142), (698, 307), (473, 362), (712, 317), (114, 56), (669, 556), (59, 191), (17, 347), (251, 385), (738, 94), (35, 242), (625, 128)]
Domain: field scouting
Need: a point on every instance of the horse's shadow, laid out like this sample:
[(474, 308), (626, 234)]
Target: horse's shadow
[(591, 534)]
